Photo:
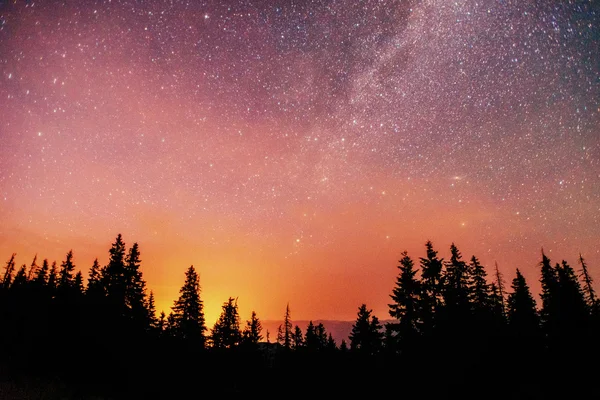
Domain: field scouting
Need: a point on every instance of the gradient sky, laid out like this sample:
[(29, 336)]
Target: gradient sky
[(291, 150)]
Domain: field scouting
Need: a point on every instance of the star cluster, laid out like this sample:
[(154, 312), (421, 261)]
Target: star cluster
[(291, 150)]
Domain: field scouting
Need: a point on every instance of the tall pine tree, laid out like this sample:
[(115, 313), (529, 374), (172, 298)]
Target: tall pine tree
[(188, 311)]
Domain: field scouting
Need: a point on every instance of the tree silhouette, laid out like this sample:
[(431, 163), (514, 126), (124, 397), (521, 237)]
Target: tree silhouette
[(287, 328), (33, 268), (135, 290), (252, 332), (8, 271), (311, 340), (65, 275), (588, 289), (41, 276), (500, 287), (52, 278), (188, 311), (479, 288), (94, 288), (20, 279), (297, 338), (523, 317), (226, 331), (366, 336), (114, 277), (524, 338), (431, 287), (405, 307)]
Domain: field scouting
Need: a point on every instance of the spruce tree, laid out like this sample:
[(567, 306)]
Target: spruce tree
[(94, 288), (311, 340), (287, 328), (135, 289), (161, 325), (53, 278), (226, 331), (114, 276), (479, 288), (574, 311), (78, 288), (8, 271), (65, 277), (151, 307), (297, 338), (321, 336), (523, 326), (523, 317), (431, 286), (253, 331), (331, 345), (500, 286), (456, 296), (405, 295), (33, 268), (366, 336), (550, 296), (41, 277), (20, 279), (188, 311), (588, 288)]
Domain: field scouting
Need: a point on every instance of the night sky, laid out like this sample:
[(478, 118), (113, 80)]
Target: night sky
[(291, 150)]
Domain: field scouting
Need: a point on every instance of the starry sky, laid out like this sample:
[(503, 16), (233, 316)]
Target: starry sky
[(291, 150)]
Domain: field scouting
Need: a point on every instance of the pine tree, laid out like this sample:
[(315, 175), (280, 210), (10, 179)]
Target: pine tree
[(431, 287), (151, 307), (226, 331), (574, 312), (161, 325), (497, 307), (549, 295), (344, 346), (252, 331), (41, 276), (287, 328), (65, 277), (479, 288), (10, 267), (280, 337), (311, 340), (33, 269), (171, 325), (331, 345), (588, 289), (523, 325), (78, 284), (114, 276), (405, 295), (366, 336), (94, 288), (297, 338), (53, 278), (20, 279), (321, 335), (135, 289), (456, 283), (188, 311), (523, 317), (500, 287)]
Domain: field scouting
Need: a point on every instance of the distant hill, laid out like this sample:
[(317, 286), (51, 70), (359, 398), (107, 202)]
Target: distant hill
[(338, 329)]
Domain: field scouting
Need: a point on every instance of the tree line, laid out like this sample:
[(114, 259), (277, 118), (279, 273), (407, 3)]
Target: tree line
[(452, 324)]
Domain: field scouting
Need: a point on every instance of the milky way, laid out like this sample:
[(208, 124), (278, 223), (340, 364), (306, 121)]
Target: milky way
[(292, 150)]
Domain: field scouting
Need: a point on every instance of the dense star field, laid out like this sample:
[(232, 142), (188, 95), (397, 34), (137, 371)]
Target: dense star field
[(291, 150)]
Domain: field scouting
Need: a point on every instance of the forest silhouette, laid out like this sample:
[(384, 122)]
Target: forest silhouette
[(457, 330)]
